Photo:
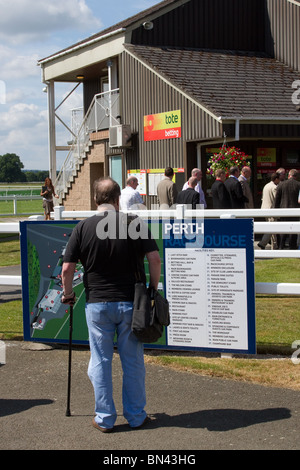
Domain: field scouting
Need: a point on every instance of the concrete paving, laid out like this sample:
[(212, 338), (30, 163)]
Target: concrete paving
[(189, 412)]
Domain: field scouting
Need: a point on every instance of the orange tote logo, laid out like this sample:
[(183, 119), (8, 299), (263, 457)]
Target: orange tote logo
[(162, 126)]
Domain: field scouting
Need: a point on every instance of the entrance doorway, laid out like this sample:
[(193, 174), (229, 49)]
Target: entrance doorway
[(96, 172)]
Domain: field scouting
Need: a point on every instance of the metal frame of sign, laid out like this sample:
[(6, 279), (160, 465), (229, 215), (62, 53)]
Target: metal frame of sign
[(45, 319)]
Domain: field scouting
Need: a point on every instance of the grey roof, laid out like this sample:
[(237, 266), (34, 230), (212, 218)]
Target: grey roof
[(228, 84)]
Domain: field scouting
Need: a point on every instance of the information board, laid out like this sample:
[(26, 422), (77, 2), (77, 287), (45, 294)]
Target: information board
[(207, 276), (209, 282)]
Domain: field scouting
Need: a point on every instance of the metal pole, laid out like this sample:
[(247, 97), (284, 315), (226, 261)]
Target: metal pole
[(68, 412)]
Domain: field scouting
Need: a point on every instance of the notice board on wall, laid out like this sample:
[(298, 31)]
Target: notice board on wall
[(207, 275)]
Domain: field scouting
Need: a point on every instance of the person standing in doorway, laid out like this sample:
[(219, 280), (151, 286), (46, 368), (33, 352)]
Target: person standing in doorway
[(268, 202), (220, 196), (235, 190), (281, 173), (244, 179), (287, 197)]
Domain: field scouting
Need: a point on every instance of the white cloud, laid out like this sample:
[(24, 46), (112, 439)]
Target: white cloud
[(24, 131), (20, 116), (26, 20), (19, 66)]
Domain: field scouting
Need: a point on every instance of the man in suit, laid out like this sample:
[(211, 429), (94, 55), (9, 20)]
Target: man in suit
[(235, 190), (268, 202), (287, 196), (189, 196), (166, 190), (220, 196), (198, 174), (244, 180)]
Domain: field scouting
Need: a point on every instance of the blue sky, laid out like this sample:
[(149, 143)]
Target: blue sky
[(31, 30)]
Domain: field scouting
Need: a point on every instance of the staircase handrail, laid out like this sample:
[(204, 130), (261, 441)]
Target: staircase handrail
[(81, 140)]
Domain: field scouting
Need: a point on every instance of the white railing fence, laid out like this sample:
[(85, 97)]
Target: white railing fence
[(15, 198), (180, 212)]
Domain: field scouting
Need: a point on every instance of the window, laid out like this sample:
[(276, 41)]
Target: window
[(115, 169)]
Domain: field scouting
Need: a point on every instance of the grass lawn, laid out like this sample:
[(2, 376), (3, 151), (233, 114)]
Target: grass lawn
[(10, 252), (23, 207)]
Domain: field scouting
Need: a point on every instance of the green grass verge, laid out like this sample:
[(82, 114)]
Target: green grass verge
[(34, 206), (10, 254)]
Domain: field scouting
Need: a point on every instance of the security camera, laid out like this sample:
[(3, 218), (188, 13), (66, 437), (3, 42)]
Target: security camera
[(148, 25)]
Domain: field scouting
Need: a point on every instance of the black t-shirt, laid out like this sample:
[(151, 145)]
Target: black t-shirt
[(108, 255)]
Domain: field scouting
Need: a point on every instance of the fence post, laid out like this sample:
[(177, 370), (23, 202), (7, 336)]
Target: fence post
[(180, 211), (58, 212), (15, 204)]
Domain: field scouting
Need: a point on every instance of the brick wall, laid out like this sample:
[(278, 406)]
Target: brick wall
[(80, 194)]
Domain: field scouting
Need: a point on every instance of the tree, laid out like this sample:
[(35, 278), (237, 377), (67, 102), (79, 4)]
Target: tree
[(11, 168)]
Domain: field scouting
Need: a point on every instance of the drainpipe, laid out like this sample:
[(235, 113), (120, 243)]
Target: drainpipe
[(237, 129)]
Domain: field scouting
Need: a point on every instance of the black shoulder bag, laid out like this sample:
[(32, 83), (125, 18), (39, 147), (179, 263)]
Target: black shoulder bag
[(150, 310)]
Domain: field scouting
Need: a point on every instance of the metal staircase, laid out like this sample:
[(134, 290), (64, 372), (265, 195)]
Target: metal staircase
[(103, 113)]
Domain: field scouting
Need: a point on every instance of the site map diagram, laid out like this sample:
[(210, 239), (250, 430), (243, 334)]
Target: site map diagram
[(45, 317)]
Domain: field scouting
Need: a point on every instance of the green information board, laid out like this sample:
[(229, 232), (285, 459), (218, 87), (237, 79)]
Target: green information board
[(45, 318)]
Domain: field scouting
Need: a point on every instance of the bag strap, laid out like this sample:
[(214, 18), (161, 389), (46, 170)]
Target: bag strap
[(133, 252)]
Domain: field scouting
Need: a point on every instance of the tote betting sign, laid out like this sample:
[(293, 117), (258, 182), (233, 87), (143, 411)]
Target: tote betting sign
[(162, 126)]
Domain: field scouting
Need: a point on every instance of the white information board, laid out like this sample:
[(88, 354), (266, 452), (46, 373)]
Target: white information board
[(207, 292)]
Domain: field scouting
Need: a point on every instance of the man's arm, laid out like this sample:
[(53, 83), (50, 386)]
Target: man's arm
[(67, 275), (154, 268)]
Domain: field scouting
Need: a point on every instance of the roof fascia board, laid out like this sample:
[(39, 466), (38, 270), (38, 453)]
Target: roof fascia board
[(261, 119), (92, 54), (81, 46), (214, 116)]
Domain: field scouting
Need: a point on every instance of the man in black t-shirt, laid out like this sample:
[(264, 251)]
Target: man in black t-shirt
[(109, 257), (189, 196)]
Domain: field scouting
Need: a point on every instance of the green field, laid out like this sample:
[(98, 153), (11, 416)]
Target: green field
[(23, 207), (27, 206)]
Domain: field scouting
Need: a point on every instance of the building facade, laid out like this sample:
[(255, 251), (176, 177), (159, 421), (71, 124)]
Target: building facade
[(167, 86)]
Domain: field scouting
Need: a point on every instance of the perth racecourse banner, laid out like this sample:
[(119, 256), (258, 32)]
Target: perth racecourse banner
[(207, 275)]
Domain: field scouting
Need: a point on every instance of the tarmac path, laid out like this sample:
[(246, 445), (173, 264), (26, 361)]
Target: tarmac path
[(189, 412)]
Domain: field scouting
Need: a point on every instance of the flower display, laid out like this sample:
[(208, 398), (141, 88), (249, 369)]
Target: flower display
[(227, 158)]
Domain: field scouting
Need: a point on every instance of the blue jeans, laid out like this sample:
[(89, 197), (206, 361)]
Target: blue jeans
[(103, 320)]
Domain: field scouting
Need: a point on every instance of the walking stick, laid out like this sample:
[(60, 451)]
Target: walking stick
[(68, 412)]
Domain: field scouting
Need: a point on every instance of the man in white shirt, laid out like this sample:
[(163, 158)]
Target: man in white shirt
[(130, 198), (198, 174)]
